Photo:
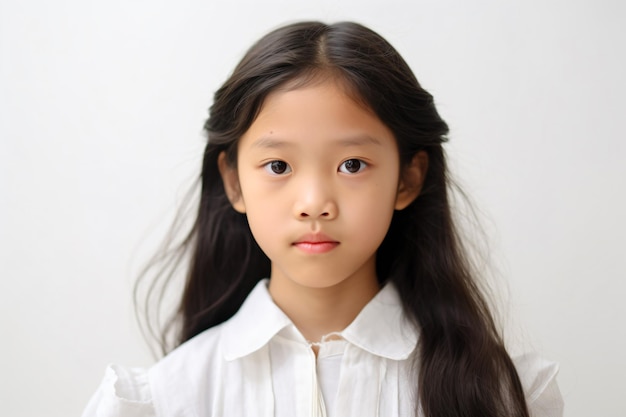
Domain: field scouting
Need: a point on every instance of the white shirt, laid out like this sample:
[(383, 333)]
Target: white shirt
[(258, 364)]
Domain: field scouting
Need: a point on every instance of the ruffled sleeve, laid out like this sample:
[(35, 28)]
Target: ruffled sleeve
[(124, 392), (538, 377)]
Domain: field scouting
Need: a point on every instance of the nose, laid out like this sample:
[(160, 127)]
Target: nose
[(315, 200)]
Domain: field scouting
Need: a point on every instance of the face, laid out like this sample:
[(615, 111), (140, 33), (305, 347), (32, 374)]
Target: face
[(318, 178)]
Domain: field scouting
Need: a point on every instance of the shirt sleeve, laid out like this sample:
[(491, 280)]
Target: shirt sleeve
[(538, 377), (124, 392)]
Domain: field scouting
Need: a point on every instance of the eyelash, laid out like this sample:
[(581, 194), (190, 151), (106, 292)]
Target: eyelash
[(270, 164), (286, 169), (361, 165)]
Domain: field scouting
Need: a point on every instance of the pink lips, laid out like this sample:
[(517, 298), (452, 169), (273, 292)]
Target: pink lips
[(316, 243)]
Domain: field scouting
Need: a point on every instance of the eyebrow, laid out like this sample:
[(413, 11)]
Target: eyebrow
[(270, 143), (358, 140)]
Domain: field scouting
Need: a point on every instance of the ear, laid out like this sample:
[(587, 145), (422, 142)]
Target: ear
[(411, 180), (230, 178)]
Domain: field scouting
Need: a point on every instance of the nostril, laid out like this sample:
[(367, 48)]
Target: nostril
[(304, 215)]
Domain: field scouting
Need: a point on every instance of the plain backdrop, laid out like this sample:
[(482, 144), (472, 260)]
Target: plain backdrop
[(101, 111)]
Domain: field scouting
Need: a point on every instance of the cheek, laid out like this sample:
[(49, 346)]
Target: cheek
[(265, 231), (371, 212), (265, 215)]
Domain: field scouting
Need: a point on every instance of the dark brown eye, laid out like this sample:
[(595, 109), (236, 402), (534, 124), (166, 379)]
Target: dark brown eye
[(277, 167), (352, 166)]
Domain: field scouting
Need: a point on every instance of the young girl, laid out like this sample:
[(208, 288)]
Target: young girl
[(327, 277)]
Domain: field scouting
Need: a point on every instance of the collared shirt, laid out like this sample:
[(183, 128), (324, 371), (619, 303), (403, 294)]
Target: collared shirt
[(259, 364)]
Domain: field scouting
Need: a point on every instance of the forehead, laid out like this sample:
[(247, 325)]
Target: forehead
[(327, 77), (321, 111)]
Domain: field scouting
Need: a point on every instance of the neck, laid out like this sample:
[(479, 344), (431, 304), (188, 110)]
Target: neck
[(319, 311)]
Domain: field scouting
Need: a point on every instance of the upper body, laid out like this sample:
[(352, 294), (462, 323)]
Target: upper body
[(324, 170), (258, 363)]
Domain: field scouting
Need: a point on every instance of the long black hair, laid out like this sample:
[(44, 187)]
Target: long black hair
[(462, 367)]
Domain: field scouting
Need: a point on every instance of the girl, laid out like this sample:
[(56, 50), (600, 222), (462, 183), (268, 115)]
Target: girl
[(324, 171)]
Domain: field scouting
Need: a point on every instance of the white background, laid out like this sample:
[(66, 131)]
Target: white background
[(101, 110)]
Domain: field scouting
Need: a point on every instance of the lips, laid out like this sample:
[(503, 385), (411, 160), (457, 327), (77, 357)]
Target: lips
[(316, 243)]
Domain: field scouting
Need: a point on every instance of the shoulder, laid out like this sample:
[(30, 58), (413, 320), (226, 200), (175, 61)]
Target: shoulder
[(538, 377), (198, 352), (139, 392)]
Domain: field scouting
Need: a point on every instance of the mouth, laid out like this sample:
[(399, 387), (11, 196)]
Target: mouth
[(316, 243)]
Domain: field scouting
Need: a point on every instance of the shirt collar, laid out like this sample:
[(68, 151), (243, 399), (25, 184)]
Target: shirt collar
[(381, 328), (256, 322)]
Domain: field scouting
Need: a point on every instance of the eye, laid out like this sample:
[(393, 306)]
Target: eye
[(352, 166), (277, 167)]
